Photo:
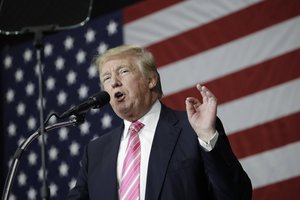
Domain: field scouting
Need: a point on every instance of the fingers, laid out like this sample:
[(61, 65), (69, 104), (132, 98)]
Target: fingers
[(206, 94), (191, 105), (208, 98), (192, 102)]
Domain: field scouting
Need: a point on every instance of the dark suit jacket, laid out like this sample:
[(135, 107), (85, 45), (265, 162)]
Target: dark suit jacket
[(178, 166)]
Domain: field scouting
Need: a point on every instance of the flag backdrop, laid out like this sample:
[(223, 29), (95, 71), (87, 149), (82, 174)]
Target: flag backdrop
[(247, 52)]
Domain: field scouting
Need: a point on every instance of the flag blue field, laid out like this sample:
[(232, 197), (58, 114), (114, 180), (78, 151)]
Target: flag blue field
[(69, 78)]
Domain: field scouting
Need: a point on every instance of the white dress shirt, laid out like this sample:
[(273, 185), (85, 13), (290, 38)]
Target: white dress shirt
[(146, 135)]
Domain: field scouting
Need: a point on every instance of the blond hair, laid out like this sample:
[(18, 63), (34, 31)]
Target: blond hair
[(142, 57)]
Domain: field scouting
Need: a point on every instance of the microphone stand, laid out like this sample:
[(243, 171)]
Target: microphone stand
[(22, 148), (38, 33), (38, 43)]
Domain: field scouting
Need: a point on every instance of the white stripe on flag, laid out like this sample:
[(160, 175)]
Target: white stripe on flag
[(231, 57), (261, 107), (179, 18), (274, 165)]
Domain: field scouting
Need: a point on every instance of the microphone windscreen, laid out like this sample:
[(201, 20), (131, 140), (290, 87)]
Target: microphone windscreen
[(101, 98)]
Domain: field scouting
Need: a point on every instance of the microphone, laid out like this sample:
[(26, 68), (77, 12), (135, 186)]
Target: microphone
[(96, 101)]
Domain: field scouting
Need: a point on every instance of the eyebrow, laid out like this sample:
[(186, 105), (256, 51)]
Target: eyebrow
[(117, 69)]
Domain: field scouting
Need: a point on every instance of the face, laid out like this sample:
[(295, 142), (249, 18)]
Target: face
[(129, 89)]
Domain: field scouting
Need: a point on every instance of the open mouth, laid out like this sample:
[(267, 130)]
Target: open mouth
[(119, 96)]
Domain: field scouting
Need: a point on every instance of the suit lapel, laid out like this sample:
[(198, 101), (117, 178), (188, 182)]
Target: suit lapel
[(110, 164), (164, 141)]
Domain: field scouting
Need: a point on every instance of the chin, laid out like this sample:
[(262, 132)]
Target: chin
[(122, 111)]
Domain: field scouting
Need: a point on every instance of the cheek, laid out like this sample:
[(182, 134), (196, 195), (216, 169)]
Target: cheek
[(104, 87), (141, 89), (107, 90)]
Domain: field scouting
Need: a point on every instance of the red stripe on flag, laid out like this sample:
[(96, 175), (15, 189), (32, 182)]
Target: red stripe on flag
[(266, 136), (244, 82), (288, 189), (226, 29), (144, 8)]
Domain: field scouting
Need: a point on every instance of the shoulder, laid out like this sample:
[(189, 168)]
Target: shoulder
[(170, 113), (105, 139), (175, 118), (181, 116)]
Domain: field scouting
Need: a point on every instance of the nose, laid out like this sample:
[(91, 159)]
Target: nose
[(115, 81)]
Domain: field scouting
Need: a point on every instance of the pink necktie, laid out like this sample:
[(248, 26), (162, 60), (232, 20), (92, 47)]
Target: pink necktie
[(130, 180)]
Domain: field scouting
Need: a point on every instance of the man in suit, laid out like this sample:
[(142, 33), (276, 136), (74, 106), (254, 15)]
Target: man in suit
[(177, 155)]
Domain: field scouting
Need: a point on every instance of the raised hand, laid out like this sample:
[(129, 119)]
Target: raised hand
[(202, 116)]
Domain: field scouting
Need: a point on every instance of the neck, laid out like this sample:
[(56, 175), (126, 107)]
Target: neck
[(136, 116)]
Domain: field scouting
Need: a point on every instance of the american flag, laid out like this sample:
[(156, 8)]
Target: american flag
[(247, 52)]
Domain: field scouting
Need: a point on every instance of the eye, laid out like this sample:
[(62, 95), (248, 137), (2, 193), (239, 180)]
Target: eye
[(124, 71), (106, 78)]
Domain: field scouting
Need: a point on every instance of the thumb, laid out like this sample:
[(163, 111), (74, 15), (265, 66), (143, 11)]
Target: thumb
[(190, 103)]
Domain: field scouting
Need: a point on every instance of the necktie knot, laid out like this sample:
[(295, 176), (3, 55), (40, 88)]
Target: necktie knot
[(136, 126)]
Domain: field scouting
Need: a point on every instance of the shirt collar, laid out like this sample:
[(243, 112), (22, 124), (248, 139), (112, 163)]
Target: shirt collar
[(150, 119)]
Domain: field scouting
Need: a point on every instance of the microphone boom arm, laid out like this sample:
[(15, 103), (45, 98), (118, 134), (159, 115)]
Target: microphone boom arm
[(22, 148)]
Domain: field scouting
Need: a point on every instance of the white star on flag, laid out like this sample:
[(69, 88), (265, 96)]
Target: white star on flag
[(10, 95), (102, 47), (11, 129), (84, 128), (53, 152), (32, 158), (50, 83), (29, 89), (27, 55), (20, 140), (63, 134), (37, 69), (63, 169), (19, 75), (74, 148), (80, 56), (62, 98), (71, 77), (60, 63), (31, 194), (69, 43), (53, 189), (106, 121), (92, 71), (40, 174), (83, 91), (7, 61), (12, 197), (90, 35), (31, 123), (21, 109), (22, 178), (48, 49), (112, 27)]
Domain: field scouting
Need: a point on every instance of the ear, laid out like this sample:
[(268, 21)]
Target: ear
[(152, 81)]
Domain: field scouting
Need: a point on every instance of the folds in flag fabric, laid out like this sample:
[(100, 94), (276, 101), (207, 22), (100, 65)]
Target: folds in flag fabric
[(246, 52)]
